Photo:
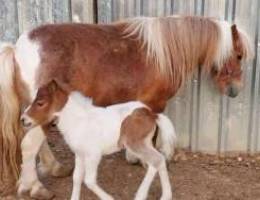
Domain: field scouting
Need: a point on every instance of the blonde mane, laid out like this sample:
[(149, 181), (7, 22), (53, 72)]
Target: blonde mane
[(176, 44), (11, 134)]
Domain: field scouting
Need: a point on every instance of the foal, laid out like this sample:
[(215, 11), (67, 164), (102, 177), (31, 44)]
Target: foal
[(93, 131)]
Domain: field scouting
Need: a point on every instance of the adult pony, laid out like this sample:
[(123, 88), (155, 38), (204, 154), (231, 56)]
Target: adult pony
[(145, 59)]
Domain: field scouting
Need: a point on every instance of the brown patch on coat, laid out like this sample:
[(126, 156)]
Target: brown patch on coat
[(99, 62), (136, 127)]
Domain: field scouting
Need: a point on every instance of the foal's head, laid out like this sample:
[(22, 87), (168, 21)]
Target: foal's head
[(229, 76), (50, 99)]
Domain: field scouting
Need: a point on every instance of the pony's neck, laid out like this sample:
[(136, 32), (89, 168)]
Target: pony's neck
[(177, 45), (76, 107)]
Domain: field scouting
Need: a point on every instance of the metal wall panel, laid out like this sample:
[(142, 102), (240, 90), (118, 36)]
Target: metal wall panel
[(204, 120)]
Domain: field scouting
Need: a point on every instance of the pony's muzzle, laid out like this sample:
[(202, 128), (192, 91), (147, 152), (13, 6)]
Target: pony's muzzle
[(26, 122), (233, 91)]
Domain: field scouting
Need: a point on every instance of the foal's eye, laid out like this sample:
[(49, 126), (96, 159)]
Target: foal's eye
[(40, 103), (239, 57)]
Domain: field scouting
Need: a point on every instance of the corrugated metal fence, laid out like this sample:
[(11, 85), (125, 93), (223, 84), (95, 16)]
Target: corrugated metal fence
[(204, 120)]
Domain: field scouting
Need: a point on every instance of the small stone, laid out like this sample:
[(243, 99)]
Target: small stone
[(180, 156), (195, 156), (239, 159)]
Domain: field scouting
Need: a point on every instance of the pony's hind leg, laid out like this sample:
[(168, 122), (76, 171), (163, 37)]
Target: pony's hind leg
[(156, 162), (78, 177), (91, 166)]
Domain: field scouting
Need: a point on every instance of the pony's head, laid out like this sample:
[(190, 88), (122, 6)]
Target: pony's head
[(227, 73), (177, 45), (50, 99)]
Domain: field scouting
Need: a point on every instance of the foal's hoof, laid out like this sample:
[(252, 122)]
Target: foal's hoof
[(40, 192), (167, 197), (61, 171)]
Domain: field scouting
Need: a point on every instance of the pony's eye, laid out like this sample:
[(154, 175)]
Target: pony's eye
[(40, 103), (239, 57)]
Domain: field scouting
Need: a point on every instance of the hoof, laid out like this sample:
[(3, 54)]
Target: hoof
[(22, 190), (61, 171), (167, 197), (40, 192)]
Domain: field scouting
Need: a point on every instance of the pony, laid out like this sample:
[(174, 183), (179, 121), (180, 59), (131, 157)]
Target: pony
[(145, 59), (92, 131)]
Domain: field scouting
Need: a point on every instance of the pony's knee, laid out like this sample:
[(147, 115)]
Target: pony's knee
[(155, 160), (77, 179), (91, 184)]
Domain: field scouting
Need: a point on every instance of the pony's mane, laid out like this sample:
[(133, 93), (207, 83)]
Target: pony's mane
[(178, 44)]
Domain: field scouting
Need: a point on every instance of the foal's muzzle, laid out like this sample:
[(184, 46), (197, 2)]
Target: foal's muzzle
[(26, 122)]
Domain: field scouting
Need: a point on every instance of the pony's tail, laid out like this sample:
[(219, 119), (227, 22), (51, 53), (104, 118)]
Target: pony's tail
[(167, 138), (10, 132)]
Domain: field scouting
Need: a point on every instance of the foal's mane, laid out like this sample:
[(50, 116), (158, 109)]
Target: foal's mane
[(178, 44)]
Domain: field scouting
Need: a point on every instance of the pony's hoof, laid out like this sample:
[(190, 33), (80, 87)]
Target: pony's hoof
[(40, 192), (22, 190), (168, 197), (61, 171)]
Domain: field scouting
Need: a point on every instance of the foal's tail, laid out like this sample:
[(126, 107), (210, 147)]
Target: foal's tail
[(167, 138), (10, 134)]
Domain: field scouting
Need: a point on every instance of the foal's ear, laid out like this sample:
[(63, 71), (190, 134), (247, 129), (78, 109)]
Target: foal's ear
[(65, 87), (52, 86)]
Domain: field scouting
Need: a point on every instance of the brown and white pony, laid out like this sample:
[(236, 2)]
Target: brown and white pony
[(92, 131), (145, 59)]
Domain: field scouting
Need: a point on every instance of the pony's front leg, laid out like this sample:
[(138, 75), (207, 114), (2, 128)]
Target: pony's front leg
[(91, 166), (29, 181), (78, 177)]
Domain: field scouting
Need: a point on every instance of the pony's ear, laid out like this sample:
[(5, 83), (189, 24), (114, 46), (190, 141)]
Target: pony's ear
[(236, 39), (235, 32)]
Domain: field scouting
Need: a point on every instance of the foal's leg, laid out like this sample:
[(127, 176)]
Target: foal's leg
[(145, 151), (78, 176), (156, 162), (91, 167), (146, 183), (30, 145)]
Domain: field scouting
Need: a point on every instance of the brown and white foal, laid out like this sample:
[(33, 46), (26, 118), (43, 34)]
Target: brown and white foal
[(92, 132)]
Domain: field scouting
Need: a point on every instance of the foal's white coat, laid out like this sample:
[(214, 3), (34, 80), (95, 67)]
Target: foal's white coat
[(92, 131)]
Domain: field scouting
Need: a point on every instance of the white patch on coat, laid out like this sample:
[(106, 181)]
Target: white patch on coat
[(28, 58)]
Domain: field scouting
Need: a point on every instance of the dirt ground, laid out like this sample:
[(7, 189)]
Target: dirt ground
[(193, 176)]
